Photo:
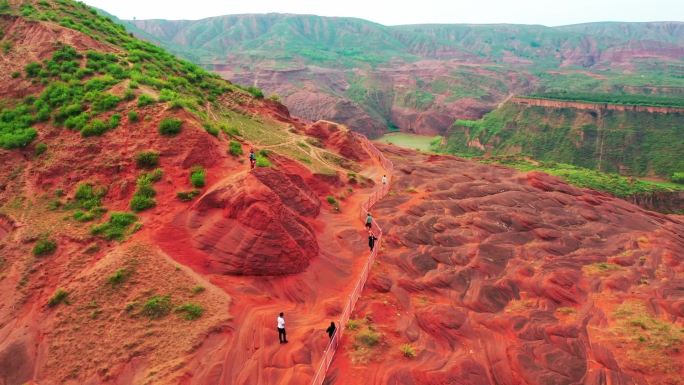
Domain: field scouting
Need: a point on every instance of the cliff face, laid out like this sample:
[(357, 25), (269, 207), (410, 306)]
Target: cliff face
[(630, 140), (558, 104)]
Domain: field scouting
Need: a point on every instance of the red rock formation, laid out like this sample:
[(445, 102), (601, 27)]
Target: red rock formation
[(253, 224), (499, 277)]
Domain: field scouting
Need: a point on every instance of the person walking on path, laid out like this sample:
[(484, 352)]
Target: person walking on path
[(369, 221), (252, 158), (331, 330), (371, 240), (282, 336), (384, 180)]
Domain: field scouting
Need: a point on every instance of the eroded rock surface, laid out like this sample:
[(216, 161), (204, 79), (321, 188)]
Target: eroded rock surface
[(254, 224), (500, 277)]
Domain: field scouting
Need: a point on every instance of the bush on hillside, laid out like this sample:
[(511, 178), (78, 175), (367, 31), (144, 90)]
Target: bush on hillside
[(60, 296), (95, 128), (235, 148), (33, 69), (197, 177), (40, 149), (157, 306), (44, 247), (147, 159), (678, 177), (145, 100), (170, 126), (190, 311), (115, 227), (132, 116), (186, 196)]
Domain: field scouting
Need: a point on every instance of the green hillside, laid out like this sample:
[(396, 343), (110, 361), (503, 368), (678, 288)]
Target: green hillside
[(630, 143)]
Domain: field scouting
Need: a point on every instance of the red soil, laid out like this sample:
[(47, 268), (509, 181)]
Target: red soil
[(498, 277)]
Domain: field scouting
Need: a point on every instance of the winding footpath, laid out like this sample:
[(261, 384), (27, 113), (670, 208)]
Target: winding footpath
[(379, 193)]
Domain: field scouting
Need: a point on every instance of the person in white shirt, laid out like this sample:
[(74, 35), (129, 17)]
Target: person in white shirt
[(384, 180), (282, 337)]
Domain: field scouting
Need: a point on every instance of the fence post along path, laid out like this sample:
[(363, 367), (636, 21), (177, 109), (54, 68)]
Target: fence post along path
[(378, 194)]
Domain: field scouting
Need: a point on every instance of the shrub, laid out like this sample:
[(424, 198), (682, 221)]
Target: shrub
[(128, 95), (212, 130), (118, 277), (197, 177), (116, 227), (262, 162), (197, 290), (147, 159), (190, 311), (368, 337), (166, 95), (407, 350), (235, 148), (88, 197), (145, 100), (352, 324), (678, 177), (114, 121), (44, 247), (60, 296), (77, 122), (170, 126), (33, 69), (83, 216), (186, 196), (157, 306), (141, 203), (15, 74), (256, 92), (105, 102), (40, 149), (333, 202), (95, 128), (132, 116)]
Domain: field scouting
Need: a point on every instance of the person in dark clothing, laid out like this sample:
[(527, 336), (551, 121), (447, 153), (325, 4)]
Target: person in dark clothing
[(331, 330), (371, 240), (252, 158), (282, 336), (369, 221)]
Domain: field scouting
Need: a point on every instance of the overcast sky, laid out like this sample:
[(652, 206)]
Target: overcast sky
[(393, 12)]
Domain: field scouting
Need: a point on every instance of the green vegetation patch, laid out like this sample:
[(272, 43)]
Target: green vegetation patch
[(198, 177), (170, 126), (186, 196), (44, 246), (157, 306), (190, 311), (117, 227), (147, 159), (60, 296)]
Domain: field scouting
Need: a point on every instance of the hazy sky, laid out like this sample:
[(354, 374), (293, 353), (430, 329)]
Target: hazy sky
[(392, 12)]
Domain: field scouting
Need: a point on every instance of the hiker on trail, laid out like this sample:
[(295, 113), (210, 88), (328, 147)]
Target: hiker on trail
[(282, 337), (384, 180), (252, 158), (369, 221), (331, 330), (371, 240)]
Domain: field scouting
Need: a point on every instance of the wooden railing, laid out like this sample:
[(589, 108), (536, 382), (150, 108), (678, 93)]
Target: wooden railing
[(378, 194)]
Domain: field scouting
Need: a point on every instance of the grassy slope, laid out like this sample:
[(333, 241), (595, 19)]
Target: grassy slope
[(631, 142)]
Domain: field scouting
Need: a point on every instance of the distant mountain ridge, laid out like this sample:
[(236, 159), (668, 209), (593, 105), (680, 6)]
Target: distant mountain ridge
[(421, 78)]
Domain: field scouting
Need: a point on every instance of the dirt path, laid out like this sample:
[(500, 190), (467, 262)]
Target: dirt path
[(249, 353)]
